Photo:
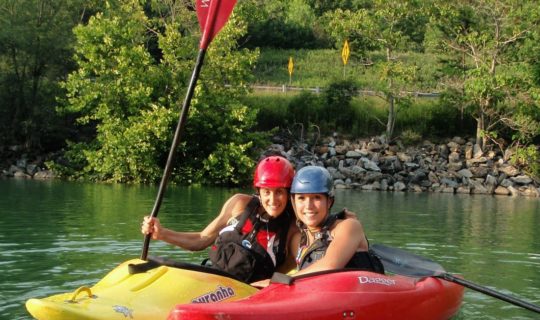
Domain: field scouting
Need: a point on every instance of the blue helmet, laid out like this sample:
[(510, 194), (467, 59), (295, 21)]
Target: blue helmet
[(313, 179)]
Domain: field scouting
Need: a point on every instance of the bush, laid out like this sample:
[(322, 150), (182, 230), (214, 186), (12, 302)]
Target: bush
[(410, 137), (529, 159), (337, 111), (304, 108)]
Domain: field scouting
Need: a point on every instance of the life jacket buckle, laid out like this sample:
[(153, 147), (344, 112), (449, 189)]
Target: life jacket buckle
[(246, 244)]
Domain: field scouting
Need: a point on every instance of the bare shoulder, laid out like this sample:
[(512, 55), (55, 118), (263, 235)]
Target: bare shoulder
[(348, 226), (237, 203)]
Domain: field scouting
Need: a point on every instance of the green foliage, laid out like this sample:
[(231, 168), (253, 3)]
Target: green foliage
[(488, 36), (280, 24), (341, 25), (35, 50), (529, 158), (410, 137), (337, 111), (132, 100), (71, 164), (305, 108), (228, 164), (272, 109)]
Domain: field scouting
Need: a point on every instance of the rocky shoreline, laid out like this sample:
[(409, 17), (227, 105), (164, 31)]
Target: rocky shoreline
[(457, 166)]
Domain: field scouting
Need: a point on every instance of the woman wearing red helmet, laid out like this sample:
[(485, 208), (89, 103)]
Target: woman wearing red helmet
[(249, 236)]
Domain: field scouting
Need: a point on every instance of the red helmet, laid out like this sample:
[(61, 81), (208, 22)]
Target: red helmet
[(273, 172)]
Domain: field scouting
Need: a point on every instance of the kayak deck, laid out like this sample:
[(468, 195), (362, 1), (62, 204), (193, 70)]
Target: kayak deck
[(145, 295), (339, 295)]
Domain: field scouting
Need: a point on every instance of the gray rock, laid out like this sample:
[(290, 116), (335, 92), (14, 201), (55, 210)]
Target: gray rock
[(44, 175), (490, 180), (522, 179), (369, 165), (332, 151), (364, 152), (513, 191), (509, 170), (502, 191), (399, 186), (403, 157), (479, 172), (468, 151), (374, 146), (506, 183), (454, 166), (384, 184), (529, 191), (21, 163), (449, 183), (474, 161), (443, 151), (479, 189), (458, 140), (340, 149), (432, 177), (465, 173), (353, 154), (14, 169), (447, 190), (411, 165), (463, 190), (31, 169), (21, 175), (454, 157), (372, 176)]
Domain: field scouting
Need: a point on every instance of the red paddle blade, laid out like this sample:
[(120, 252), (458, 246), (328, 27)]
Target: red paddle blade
[(212, 15)]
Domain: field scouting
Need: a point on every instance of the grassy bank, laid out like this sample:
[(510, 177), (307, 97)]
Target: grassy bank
[(425, 118), (318, 68)]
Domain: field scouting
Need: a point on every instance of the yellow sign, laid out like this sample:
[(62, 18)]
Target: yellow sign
[(290, 67), (345, 52)]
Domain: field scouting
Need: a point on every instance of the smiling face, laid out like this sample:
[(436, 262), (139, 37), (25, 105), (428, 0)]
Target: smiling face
[(311, 208), (273, 200)]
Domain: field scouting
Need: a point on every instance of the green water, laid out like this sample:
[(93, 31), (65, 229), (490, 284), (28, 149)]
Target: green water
[(56, 236)]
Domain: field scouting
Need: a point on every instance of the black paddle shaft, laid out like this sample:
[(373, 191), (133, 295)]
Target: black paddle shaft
[(490, 292), (405, 263), (174, 145)]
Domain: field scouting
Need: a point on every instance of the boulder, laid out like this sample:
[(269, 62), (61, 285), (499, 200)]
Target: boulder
[(502, 191)]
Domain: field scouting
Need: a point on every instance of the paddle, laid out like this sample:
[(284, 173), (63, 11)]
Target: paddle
[(405, 263), (212, 16)]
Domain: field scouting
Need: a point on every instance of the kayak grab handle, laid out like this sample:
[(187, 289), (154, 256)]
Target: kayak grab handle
[(79, 290)]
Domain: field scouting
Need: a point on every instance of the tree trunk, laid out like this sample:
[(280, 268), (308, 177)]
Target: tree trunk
[(391, 118), (480, 130)]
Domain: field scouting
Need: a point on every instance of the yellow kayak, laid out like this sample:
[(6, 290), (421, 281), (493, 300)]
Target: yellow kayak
[(144, 294)]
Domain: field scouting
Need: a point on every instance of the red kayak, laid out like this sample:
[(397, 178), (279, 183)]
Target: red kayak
[(339, 294)]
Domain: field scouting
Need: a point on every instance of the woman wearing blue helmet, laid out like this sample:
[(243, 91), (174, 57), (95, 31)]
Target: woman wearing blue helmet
[(326, 241)]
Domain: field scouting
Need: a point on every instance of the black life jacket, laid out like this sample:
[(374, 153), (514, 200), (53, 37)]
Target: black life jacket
[(365, 260), (241, 251)]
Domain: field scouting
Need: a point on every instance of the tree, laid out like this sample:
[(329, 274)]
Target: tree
[(35, 51), (132, 96), (385, 26), (488, 34)]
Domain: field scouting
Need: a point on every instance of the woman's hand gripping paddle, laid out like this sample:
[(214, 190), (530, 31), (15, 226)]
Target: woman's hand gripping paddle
[(212, 16)]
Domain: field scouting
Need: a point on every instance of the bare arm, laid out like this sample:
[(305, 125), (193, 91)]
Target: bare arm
[(349, 238), (196, 241), (293, 241)]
